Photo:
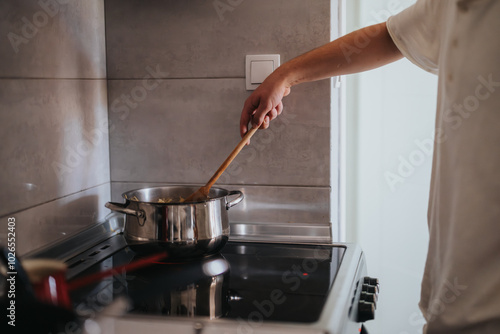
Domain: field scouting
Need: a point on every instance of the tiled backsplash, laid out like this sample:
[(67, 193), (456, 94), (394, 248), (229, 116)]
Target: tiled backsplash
[(185, 129), (52, 39), (53, 114), (57, 141), (197, 39), (53, 221)]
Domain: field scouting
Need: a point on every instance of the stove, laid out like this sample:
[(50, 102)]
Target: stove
[(249, 287)]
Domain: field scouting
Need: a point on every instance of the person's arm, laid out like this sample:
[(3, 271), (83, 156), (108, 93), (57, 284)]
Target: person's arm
[(358, 51)]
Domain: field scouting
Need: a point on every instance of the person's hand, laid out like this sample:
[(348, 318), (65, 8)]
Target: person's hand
[(264, 104)]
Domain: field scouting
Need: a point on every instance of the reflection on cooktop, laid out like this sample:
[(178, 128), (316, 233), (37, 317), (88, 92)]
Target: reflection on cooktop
[(251, 281)]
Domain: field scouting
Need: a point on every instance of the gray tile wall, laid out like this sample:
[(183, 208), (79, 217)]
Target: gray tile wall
[(53, 118), (198, 39), (184, 129), (176, 86)]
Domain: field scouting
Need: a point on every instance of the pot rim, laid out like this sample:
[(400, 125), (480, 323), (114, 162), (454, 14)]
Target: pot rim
[(124, 195)]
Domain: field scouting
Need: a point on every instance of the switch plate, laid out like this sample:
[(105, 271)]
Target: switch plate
[(258, 67), (259, 70)]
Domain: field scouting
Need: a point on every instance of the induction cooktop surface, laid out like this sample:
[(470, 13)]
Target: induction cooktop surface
[(250, 281)]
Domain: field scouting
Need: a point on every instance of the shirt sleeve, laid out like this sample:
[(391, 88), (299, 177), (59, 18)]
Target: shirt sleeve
[(416, 33)]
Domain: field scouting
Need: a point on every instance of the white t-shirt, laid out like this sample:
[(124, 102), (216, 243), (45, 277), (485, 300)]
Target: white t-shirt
[(460, 41)]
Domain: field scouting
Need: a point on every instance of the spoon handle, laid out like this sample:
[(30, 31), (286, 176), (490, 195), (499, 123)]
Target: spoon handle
[(230, 158)]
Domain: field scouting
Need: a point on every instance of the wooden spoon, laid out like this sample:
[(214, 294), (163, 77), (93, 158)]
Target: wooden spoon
[(202, 193)]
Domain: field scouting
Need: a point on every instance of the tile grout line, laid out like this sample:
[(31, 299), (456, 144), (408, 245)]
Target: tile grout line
[(54, 200)]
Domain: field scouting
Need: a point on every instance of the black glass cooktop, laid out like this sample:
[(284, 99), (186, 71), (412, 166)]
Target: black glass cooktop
[(250, 281)]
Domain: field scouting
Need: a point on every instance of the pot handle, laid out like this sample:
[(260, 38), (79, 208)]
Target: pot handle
[(236, 200), (122, 207)]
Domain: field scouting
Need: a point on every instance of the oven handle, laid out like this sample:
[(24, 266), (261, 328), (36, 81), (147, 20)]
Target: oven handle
[(122, 207)]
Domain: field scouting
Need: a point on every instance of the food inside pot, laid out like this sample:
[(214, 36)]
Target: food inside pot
[(172, 195), (170, 200), (176, 199)]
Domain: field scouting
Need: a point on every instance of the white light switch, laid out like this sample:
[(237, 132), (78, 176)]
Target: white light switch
[(259, 70), (258, 67)]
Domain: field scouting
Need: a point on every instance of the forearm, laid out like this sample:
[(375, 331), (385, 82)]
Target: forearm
[(361, 50), (358, 51)]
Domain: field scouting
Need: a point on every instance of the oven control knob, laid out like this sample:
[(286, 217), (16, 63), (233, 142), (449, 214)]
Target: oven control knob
[(371, 281), (368, 297), (369, 288), (366, 311)]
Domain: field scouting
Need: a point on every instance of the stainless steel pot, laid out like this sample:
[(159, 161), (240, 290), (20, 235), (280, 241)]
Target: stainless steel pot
[(183, 229)]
